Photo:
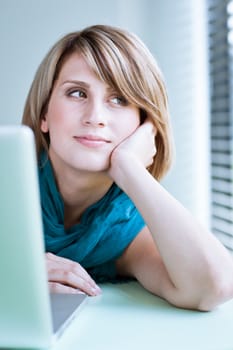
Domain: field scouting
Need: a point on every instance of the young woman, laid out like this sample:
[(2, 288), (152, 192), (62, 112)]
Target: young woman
[(99, 111)]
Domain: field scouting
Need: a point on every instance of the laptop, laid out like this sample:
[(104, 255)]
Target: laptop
[(30, 317)]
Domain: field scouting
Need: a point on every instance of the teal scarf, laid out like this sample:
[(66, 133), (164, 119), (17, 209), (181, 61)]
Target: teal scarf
[(105, 230)]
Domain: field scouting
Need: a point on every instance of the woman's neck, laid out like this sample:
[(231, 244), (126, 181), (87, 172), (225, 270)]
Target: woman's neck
[(79, 190), (78, 198)]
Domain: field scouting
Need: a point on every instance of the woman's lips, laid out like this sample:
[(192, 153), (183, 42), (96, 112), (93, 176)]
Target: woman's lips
[(91, 141)]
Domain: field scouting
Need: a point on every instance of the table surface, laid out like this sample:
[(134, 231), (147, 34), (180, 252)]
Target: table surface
[(127, 317)]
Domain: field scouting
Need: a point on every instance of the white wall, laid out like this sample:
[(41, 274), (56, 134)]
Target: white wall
[(174, 32)]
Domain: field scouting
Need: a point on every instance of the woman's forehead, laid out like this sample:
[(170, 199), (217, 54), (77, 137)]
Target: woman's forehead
[(74, 62), (76, 69)]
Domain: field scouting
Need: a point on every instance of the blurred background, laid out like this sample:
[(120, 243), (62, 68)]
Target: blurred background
[(192, 42)]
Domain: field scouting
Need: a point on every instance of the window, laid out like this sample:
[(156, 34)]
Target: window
[(220, 24)]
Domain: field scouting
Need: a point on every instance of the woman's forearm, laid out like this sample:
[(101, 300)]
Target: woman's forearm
[(193, 257)]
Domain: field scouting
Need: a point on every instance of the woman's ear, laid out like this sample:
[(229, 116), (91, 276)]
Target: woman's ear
[(44, 125)]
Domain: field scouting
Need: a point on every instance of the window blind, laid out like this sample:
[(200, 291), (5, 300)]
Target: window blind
[(220, 24)]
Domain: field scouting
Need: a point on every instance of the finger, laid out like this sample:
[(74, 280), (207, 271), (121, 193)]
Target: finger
[(150, 125), (69, 265), (55, 287), (154, 150), (78, 270), (68, 278), (70, 273)]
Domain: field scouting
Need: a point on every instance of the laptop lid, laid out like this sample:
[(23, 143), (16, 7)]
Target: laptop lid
[(25, 308)]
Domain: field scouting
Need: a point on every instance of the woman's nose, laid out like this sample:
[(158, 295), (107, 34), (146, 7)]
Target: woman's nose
[(94, 116), (94, 123)]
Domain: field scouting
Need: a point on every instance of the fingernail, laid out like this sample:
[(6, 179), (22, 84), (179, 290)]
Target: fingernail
[(96, 290), (99, 289)]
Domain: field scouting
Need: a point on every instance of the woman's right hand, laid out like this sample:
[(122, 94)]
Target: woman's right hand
[(131, 149), (67, 276)]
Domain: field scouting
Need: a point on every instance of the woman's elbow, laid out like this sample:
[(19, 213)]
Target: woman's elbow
[(204, 296), (219, 293)]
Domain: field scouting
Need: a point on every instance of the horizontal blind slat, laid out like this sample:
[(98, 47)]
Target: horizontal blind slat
[(222, 212), (222, 199)]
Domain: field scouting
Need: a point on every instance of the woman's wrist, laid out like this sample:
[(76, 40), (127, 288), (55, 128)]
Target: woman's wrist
[(124, 169)]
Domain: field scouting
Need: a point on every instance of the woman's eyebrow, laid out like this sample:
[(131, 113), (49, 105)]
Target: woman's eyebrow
[(77, 82)]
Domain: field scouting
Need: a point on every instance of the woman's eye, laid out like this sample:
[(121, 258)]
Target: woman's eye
[(119, 100), (77, 93)]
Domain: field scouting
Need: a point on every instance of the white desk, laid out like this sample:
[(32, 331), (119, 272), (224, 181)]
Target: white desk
[(127, 317)]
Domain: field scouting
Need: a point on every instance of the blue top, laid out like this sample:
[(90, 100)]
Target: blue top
[(105, 230)]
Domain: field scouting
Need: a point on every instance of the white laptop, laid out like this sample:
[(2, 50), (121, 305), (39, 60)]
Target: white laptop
[(29, 316)]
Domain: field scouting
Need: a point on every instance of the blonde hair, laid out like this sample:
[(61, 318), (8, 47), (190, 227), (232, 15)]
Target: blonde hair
[(122, 61)]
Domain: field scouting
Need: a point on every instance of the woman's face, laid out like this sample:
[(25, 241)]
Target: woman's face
[(86, 119)]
